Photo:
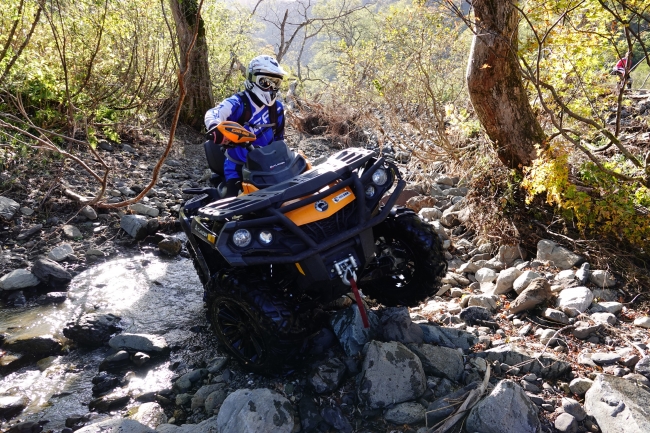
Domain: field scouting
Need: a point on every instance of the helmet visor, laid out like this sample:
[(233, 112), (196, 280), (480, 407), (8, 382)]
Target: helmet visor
[(268, 83)]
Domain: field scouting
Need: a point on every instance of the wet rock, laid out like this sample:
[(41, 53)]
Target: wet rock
[(602, 279), (135, 225), (562, 258), (8, 208), (445, 406), (348, 328), (448, 337), (18, 279), (439, 361), (524, 280), (575, 299), (548, 367), (198, 400), (51, 273), (391, 373), (170, 246), (143, 209), (150, 414), (258, 410), (579, 386), (26, 427), (92, 329), (326, 376), (618, 405), (117, 425), (187, 381), (40, 345), (104, 383), (16, 299), (60, 252), (537, 292), (139, 343), (25, 234), (52, 298), (139, 358), (72, 232), (334, 417), (115, 361), (397, 326), (566, 423), (506, 410), (505, 280), (110, 402), (12, 405)]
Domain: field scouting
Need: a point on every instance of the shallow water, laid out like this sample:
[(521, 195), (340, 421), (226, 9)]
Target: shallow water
[(152, 295)]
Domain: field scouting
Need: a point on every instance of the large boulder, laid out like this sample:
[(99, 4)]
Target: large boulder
[(257, 410), (619, 405), (391, 374), (92, 329), (506, 410)]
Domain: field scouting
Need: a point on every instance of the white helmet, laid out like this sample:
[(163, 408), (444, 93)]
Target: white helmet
[(264, 78)]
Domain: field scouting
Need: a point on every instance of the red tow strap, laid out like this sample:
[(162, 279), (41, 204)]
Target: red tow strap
[(362, 307)]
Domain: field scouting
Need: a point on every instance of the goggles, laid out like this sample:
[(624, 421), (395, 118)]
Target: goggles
[(268, 83)]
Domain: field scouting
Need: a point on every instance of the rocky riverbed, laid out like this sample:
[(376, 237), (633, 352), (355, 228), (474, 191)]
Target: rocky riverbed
[(103, 327)]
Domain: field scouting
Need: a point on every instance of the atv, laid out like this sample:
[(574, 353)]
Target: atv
[(299, 237)]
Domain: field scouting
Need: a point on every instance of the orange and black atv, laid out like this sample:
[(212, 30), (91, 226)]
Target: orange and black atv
[(296, 239)]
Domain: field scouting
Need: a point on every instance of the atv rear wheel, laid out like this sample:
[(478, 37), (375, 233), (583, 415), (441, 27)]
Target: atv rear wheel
[(409, 262), (259, 326)]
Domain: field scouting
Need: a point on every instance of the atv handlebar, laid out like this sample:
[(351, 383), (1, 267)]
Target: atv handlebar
[(230, 133)]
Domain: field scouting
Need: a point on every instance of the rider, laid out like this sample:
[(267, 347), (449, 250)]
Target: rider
[(620, 69), (263, 79)]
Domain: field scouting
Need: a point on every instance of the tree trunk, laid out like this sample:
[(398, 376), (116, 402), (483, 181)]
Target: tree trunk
[(199, 98), (495, 85)]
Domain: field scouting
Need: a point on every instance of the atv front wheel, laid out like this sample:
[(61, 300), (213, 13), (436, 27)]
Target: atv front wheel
[(409, 261), (261, 328)]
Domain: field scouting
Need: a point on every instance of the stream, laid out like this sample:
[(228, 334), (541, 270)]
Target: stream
[(151, 294)]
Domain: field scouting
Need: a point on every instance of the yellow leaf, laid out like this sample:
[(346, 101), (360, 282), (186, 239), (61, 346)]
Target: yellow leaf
[(485, 66)]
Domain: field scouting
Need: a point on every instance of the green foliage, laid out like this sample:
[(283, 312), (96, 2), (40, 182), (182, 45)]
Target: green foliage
[(604, 205)]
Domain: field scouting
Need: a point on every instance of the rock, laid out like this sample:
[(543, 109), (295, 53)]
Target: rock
[(391, 374), (476, 315), (582, 274), (114, 361), (139, 343), (604, 318), (643, 366), (37, 345), (116, 425), (8, 208), (18, 279), (150, 414), (618, 405), (29, 232), (566, 423), (605, 358), (258, 410), (607, 295), (52, 298), (607, 307), (214, 400), (12, 405), (142, 209), (485, 275), (397, 326), (537, 292), (555, 316), (60, 253), (72, 232), (405, 413), (92, 329), (326, 376), (348, 328), (505, 280), (579, 386), (170, 246), (198, 400), (602, 279), (562, 258), (575, 299), (439, 361), (642, 322), (335, 418), (509, 253), (572, 407), (546, 336), (107, 403), (310, 416), (89, 213), (506, 410), (430, 213), (26, 427), (524, 280), (135, 225), (445, 406), (51, 273), (448, 337), (584, 330), (420, 202), (189, 379), (548, 367)]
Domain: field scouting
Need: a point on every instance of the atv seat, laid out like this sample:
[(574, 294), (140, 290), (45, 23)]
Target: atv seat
[(216, 156)]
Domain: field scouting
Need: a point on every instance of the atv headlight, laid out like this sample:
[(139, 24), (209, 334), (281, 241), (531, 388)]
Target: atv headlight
[(241, 238), (380, 176), (266, 237), (370, 191)]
